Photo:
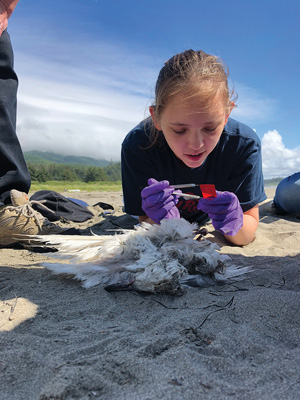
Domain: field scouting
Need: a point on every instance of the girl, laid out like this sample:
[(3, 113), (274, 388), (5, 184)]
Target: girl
[(189, 137)]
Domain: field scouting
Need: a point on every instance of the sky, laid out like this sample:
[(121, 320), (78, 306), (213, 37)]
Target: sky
[(87, 69)]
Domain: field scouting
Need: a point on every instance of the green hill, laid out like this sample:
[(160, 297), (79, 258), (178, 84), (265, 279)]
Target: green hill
[(82, 168), (45, 158)]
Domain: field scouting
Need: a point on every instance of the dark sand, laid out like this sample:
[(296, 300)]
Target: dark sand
[(241, 341)]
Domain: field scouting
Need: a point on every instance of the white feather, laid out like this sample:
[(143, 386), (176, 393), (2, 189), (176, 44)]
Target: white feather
[(153, 258)]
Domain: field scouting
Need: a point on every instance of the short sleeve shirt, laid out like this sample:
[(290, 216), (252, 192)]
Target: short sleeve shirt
[(234, 165)]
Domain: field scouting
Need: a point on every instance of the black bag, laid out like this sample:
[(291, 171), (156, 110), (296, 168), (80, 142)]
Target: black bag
[(61, 205)]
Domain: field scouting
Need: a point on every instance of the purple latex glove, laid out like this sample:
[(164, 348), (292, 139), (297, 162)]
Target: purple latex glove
[(224, 211), (158, 202)]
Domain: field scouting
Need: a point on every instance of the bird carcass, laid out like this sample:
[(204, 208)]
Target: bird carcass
[(151, 258)]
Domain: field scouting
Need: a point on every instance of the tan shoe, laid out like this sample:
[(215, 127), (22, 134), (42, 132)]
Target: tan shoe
[(21, 219)]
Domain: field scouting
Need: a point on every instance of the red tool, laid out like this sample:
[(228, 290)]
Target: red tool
[(208, 190)]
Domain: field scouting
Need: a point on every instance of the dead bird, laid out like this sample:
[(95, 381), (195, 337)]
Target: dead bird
[(151, 258)]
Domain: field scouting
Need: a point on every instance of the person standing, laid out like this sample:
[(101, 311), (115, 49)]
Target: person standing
[(16, 213)]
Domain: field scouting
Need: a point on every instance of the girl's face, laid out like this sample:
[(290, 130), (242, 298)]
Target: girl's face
[(191, 134)]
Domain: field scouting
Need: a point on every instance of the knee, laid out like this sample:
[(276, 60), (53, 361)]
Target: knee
[(287, 196)]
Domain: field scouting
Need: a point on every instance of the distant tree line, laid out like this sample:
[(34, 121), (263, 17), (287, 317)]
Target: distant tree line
[(85, 173), (68, 172)]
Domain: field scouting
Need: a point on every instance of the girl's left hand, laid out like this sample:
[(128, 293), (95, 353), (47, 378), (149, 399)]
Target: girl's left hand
[(225, 212)]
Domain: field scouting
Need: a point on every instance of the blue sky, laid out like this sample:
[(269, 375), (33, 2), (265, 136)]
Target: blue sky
[(87, 69)]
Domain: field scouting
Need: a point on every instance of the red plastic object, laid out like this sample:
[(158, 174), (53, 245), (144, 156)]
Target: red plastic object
[(208, 190)]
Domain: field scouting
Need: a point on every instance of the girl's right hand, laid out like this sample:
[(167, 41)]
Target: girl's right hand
[(158, 201)]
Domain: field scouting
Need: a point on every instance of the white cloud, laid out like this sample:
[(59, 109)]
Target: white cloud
[(253, 107), (69, 110), (80, 96), (82, 99), (278, 161), (75, 120)]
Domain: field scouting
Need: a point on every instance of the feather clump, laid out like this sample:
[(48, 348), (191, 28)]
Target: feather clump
[(152, 258)]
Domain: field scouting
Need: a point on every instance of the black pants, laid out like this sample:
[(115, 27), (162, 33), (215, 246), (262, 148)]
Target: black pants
[(13, 170)]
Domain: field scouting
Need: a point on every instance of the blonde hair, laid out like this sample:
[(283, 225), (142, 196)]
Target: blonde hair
[(196, 75)]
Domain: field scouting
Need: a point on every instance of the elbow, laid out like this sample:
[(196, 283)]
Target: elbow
[(240, 240)]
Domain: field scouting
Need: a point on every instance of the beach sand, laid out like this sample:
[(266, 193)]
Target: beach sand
[(237, 341)]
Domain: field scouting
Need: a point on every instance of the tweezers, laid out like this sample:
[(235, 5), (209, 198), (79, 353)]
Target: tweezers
[(186, 195), (184, 185)]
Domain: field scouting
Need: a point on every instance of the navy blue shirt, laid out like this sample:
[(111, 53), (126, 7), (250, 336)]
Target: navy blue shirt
[(234, 165)]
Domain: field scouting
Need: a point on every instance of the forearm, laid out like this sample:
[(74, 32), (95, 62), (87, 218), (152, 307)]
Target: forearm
[(247, 233)]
